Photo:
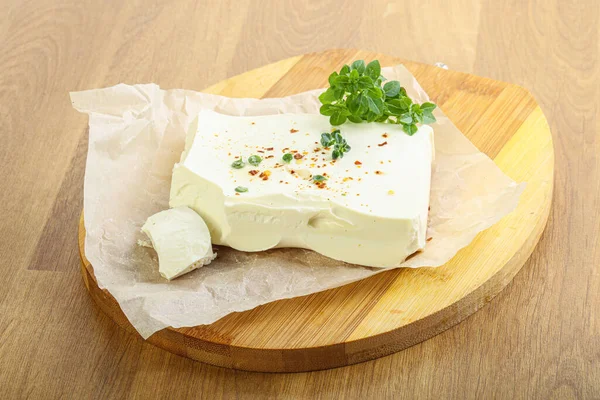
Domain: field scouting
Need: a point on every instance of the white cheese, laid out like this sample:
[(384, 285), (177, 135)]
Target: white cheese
[(181, 240), (372, 211)]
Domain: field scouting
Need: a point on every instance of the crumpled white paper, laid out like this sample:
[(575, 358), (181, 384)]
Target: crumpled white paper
[(137, 134)]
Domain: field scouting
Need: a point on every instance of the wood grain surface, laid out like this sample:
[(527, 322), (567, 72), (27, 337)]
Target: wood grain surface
[(395, 309), (540, 338)]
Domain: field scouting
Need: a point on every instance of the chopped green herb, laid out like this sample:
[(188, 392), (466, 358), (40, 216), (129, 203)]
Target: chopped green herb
[(319, 178), (335, 139), (238, 164), (287, 157), (241, 189), (254, 160), (356, 94)]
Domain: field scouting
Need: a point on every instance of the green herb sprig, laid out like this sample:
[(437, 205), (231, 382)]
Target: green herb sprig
[(241, 189), (319, 178), (356, 94), (335, 139)]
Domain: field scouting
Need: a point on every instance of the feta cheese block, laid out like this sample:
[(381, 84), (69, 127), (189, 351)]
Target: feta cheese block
[(181, 240), (370, 208)]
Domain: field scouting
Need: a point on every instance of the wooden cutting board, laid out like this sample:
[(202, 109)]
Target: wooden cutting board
[(399, 308)]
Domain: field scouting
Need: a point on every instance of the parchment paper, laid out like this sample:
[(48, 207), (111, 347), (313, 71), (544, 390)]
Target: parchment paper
[(136, 135)]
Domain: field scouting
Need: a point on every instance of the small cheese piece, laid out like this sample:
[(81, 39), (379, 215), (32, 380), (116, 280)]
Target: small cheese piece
[(369, 207), (181, 240)]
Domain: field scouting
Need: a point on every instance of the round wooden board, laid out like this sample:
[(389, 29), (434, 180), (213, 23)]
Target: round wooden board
[(399, 308)]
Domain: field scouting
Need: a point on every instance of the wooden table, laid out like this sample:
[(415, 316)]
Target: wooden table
[(540, 338)]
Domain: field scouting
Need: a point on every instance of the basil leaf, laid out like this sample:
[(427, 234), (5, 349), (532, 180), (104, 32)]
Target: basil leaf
[(337, 118), (396, 107), (365, 82), (287, 157), (241, 189), (332, 77), (353, 104), (364, 104), (355, 119), (342, 80), (406, 118), (374, 69), (428, 107), (411, 129), (327, 109), (428, 118), (359, 66), (375, 105), (371, 116), (391, 88), (345, 70), (328, 96), (376, 92)]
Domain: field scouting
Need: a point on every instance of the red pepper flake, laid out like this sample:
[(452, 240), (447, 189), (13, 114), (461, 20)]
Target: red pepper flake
[(280, 181), (293, 130), (271, 156), (378, 173), (260, 151), (385, 135), (269, 149), (357, 162), (298, 156), (382, 144), (293, 151), (237, 194), (318, 149), (285, 150), (265, 175), (369, 146), (292, 171), (253, 172), (324, 173), (429, 239), (253, 123), (348, 178), (228, 154)]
